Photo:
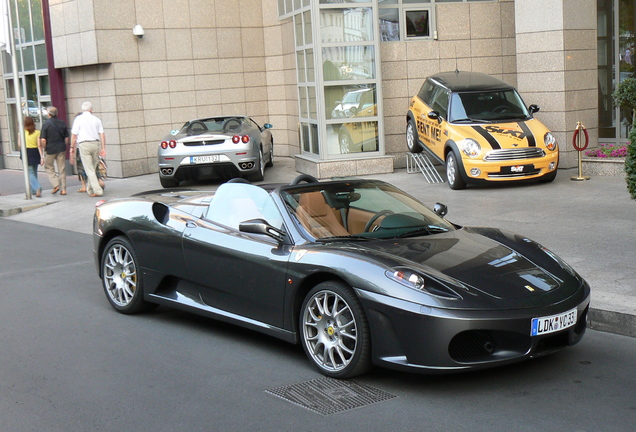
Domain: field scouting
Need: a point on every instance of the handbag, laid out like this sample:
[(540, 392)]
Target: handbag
[(102, 168)]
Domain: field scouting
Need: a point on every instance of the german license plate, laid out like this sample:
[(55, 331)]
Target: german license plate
[(554, 323), (204, 159)]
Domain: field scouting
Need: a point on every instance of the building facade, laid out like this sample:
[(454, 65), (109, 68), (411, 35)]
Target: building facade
[(334, 77)]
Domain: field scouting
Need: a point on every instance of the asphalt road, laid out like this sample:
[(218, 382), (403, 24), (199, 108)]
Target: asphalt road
[(69, 362)]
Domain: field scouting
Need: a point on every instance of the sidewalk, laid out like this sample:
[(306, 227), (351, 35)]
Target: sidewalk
[(591, 224)]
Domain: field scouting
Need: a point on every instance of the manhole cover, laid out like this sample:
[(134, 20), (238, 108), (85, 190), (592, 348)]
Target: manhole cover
[(328, 396)]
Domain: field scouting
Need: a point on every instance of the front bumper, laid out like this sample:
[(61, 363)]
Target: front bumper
[(521, 169), (416, 338)]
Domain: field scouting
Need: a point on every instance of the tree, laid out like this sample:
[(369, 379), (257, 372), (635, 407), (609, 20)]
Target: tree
[(625, 95)]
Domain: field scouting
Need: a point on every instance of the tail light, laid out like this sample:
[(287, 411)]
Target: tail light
[(244, 139), (166, 144)]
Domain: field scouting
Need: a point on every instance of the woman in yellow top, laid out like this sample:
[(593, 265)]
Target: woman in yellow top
[(34, 154)]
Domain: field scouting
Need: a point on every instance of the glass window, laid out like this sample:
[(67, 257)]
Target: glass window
[(349, 101), (346, 25), (389, 24), (348, 63), (417, 23), (300, 66), (307, 32)]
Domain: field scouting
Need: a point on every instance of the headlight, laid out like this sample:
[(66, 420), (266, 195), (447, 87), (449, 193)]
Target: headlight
[(470, 147), (414, 280), (550, 141)]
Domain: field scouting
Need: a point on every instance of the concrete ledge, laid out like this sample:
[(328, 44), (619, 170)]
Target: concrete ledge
[(612, 322), (344, 167), (603, 167), (12, 205)]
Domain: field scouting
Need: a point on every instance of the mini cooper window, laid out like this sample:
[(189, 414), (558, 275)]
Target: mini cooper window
[(487, 106)]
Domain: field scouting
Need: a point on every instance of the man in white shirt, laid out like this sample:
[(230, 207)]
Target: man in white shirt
[(88, 133)]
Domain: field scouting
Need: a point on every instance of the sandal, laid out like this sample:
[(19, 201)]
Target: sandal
[(81, 190), (63, 192), (55, 189)]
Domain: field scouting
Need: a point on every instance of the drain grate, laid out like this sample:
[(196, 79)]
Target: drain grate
[(328, 396)]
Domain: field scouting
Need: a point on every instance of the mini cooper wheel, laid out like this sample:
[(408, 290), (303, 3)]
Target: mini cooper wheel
[(334, 331), (121, 278), (454, 177), (411, 137)]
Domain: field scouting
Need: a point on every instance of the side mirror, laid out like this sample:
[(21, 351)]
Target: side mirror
[(440, 209), (260, 226), (434, 115), (534, 108)]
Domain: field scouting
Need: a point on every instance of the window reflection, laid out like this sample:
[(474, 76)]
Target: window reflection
[(348, 63), (346, 25)]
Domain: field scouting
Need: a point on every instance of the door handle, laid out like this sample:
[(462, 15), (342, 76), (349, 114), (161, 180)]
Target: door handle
[(191, 224)]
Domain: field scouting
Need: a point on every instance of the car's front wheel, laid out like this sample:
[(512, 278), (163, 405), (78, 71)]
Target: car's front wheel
[(121, 277), (454, 177), (334, 331), (412, 140)]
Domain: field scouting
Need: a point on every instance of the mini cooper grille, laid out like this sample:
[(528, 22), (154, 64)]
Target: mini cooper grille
[(513, 154), (202, 143)]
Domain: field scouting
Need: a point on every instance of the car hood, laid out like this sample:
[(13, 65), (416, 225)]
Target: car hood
[(480, 265), (505, 135)]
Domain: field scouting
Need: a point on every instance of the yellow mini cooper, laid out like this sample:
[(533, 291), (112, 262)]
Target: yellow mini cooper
[(480, 128)]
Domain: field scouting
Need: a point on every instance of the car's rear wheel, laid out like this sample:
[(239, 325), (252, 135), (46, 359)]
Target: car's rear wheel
[(168, 183), (260, 174), (121, 277), (270, 163), (454, 177), (334, 331), (412, 141)]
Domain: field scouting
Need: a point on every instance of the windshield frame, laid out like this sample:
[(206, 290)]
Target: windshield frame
[(357, 202), (509, 98)]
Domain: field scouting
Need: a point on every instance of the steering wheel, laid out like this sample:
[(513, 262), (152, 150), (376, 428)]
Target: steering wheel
[(376, 217), (197, 127), (502, 109), (304, 178), (230, 121)]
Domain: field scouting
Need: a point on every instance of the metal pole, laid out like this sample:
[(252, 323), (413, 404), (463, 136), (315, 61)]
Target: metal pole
[(18, 103)]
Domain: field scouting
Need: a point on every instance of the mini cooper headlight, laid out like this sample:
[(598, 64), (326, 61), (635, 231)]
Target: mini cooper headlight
[(550, 141), (470, 147)]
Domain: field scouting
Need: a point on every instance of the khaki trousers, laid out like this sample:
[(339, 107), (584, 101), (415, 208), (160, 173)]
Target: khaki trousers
[(58, 179), (89, 151)]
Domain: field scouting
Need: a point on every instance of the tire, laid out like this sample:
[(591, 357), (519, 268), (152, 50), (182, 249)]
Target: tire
[(412, 140), (270, 163), (260, 174), (121, 277), (345, 141), (334, 331), (453, 176), (168, 183)]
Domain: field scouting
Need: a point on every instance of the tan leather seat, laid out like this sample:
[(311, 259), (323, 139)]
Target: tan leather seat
[(318, 217)]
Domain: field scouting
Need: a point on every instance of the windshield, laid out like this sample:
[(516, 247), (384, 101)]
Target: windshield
[(360, 210), (487, 106)]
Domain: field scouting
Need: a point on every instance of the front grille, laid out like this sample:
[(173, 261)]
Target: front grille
[(514, 175), (471, 346), (514, 154), (478, 346), (203, 142)]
